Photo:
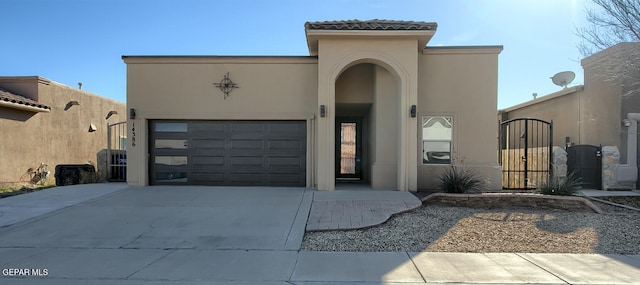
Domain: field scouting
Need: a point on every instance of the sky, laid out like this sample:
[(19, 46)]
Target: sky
[(71, 41)]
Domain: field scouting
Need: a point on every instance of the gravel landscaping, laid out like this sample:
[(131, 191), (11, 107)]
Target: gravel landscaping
[(457, 229)]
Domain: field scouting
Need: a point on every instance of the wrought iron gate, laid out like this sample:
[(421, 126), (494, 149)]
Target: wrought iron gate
[(117, 152), (525, 153), (585, 162)]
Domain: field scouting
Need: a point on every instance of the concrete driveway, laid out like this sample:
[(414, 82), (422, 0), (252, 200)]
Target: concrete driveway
[(164, 217), (112, 234)]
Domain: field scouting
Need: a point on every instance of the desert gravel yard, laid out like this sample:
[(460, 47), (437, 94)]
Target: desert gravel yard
[(458, 229)]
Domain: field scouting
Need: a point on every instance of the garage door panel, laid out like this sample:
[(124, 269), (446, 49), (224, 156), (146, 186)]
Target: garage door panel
[(208, 161), (292, 161), (208, 127), (208, 177), (246, 178), (246, 161), (229, 152), (244, 129), (288, 144), (207, 144), (246, 144)]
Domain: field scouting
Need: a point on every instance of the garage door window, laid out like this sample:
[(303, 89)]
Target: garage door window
[(171, 177), (171, 160), (171, 144), (171, 127)]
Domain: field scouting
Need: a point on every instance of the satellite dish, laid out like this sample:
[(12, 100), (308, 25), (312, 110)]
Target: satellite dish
[(563, 78)]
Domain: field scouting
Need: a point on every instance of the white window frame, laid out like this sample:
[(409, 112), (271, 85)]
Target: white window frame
[(425, 152)]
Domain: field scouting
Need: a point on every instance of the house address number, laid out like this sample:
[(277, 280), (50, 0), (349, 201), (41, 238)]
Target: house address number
[(133, 134)]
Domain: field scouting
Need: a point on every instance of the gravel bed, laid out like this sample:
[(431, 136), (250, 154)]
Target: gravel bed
[(456, 229)]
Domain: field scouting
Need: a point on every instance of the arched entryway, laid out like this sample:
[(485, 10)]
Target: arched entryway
[(366, 128), (373, 91)]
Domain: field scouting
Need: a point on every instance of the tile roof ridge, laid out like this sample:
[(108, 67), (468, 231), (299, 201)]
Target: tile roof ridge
[(374, 24)]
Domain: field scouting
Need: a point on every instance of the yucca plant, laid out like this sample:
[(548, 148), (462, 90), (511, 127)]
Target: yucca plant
[(454, 180), (560, 186)]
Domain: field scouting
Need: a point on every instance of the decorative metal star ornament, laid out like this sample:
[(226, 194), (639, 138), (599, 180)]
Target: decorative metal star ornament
[(226, 85)]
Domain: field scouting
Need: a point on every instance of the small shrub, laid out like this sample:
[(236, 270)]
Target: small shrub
[(454, 180), (560, 186)]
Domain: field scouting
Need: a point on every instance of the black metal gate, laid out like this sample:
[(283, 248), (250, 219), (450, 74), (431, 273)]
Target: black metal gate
[(117, 152), (525, 153), (585, 162)]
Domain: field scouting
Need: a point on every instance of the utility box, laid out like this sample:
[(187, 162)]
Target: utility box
[(71, 174)]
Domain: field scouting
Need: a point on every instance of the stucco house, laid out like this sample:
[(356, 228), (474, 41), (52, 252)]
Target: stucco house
[(370, 104), (604, 111), (43, 121)]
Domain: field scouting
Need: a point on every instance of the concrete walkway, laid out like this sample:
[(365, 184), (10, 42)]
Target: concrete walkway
[(603, 193), (152, 235), (353, 209)]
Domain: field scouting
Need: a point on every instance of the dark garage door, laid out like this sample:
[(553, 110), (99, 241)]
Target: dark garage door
[(228, 153)]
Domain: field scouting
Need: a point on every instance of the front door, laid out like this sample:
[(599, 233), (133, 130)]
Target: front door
[(348, 148)]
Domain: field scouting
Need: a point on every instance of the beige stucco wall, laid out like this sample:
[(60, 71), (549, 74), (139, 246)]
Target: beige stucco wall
[(385, 160), (182, 87), (57, 137), (461, 82), (375, 78)]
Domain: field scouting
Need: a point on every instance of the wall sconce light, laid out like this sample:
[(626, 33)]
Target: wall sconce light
[(626, 122), (111, 113), (414, 112), (323, 111), (132, 113), (92, 128), (71, 103)]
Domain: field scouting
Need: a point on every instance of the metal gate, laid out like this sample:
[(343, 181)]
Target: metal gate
[(117, 152), (585, 162), (525, 153)]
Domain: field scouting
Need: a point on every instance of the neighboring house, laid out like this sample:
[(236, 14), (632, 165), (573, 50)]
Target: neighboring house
[(46, 122), (596, 113), (408, 111)]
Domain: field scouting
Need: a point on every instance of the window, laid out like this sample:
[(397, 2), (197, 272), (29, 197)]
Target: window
[(171, 144), (436, 139), (123, 143), (171, 127)]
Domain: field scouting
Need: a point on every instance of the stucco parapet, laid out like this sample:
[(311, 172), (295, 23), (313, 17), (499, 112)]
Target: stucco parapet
[(496, 49), (211, 59), (621, 49), (538, 100), (25, 79)]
